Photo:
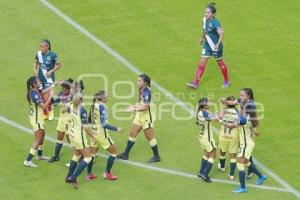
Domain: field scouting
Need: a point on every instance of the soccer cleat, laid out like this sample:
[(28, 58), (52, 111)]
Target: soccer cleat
[(240, 190), (200, 175), (53, 159), (231, 178), (43, 157), (261, 180), (206, 179), (67, 164), (226, 84), (154, 159), (249, 176), (122, 156), (110, 176), (90, 177), (74, 183), (191, 85), (220, 168), (29, 164)]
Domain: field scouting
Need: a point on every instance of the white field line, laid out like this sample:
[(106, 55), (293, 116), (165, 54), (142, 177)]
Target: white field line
[(155, 84), (142, 165)]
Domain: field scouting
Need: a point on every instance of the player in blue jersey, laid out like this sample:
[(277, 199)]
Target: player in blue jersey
[(45, 66), (211, 40)]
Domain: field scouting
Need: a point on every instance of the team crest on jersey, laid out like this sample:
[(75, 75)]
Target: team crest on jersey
[(48, 58), (210, 25)]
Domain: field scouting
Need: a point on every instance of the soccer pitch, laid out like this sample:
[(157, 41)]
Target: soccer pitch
[(119, 39)]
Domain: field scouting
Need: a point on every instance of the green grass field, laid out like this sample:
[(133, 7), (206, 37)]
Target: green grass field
[(160, 38)]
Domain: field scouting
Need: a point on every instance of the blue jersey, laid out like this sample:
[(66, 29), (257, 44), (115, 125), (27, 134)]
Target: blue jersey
[(46, 63), (211, 29)]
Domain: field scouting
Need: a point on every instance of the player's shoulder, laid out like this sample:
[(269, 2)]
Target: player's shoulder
[(34, 94), (147, 90), (52, 53)]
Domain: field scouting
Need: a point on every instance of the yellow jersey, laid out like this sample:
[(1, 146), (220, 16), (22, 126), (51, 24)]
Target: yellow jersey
[(204, 119), (231, 115)]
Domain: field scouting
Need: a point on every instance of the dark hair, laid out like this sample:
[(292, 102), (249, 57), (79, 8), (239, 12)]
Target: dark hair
[(230, 98), (201, 104), (47, 42), (249, 93), (67, 83), (29, 84), (146, 78), (212, 7), (98, 96), (79, 85)]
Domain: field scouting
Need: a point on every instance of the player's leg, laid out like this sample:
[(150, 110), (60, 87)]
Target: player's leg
[(40, 155), (222, 156), (203, 164), (241, 162), (232, 165), (59, 143), (110, 161), (149, 134), (252, 167), (38, 135), (224, 69), (90, 175), (135, 129), (211, 155), (73, 163), (200, 71)]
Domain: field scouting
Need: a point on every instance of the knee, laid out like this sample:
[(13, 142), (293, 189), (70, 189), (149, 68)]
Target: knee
[(87, 159)]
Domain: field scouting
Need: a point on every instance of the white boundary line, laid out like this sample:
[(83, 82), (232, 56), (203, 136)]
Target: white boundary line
[(160, 88), (142, 165)]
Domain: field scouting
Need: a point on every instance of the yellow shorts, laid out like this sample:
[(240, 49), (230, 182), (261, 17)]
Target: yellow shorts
[(37, 126), (229, 146), (208, 146), (79, 143), (63, 124), (145, 123), (246, 151), (101, 140)]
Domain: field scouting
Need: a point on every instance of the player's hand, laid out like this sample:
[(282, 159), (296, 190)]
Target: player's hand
[(222, 100), (217, 46), (48, 74), (120, 130)]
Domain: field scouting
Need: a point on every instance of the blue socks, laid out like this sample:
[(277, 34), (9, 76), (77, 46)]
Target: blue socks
[(110, 162), (242, 176)]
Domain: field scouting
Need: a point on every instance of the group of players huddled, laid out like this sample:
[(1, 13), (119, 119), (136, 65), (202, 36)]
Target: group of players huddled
[(87, 131)]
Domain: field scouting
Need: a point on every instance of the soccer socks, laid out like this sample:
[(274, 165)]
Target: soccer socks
[(130, 143), (222, 161), (154, 147), (199, 73), (110, 161), (203, 164), (72, 168), (58, 147), (90, 165), (223, 68), (242, 175), (253, 169), (80, 167), (208, 166), (40, 150), (31, 154), (232, 166)]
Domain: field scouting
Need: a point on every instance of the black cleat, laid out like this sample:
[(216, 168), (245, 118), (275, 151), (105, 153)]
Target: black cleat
[(122, 156), (207, 179), (200, 176), (53, 159), (154, 159)]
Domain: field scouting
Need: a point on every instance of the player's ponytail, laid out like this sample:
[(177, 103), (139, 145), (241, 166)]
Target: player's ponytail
[(29, 84), (249, 93), (212, 7), (146, 79), (98, 96)]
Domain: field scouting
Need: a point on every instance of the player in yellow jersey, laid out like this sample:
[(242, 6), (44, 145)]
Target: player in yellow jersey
[(99, 119), (206, 138), (79, 130), (247, 139), (144, 119), (36, 119), (64, 99), (228, 138)]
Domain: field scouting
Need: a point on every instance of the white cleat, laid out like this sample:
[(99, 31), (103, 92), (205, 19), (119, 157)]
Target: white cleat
[(43, 157), (67, 164), (220, 168), (29, 164), (231, 178)]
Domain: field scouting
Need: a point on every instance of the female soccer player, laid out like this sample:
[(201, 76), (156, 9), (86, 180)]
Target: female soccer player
[(206, 138), (78, 130), (36, 107), (144, 119), (99, 119), (45, 66), (228, 138), (64, 99), (247, 139), (212, 38)]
